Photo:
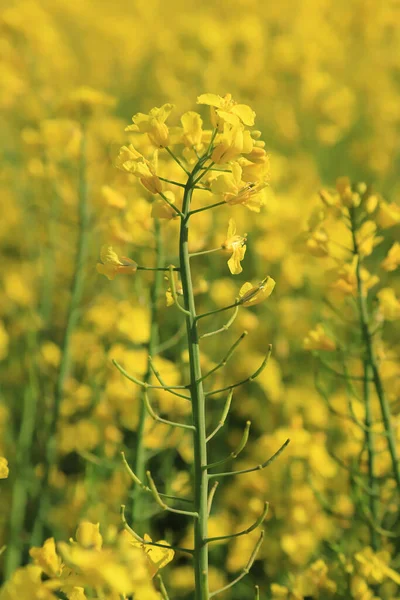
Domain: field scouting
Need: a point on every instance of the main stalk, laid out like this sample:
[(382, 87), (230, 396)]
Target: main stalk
[(198, 404)]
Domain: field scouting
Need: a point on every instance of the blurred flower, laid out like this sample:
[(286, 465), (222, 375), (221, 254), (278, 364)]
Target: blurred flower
[(111, 264), (317, 339), (131, 161), (389, 304), (388, 214), (47, 558), (374, 566), (392, 260), (4, 471)]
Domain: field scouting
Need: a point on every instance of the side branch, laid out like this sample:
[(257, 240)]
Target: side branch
[(245, 570), (159, 419), (257, 468), (222, 420), (248, 379), (224, 327), (256, 524), (226, 357), (238, 450), (146, 385)]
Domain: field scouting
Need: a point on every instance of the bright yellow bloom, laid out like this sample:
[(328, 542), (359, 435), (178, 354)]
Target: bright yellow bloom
[(153, 124), (4, 471), (47, 558), (317, 339), (157, 557), (388, 214), (233, 190), (131, 161), (237, 245), (250, 295), (366, 240), (192, 133), (111, 264), (389, 304), (317, 243), (88, 535), (77, 593), (392, 260), (231, 143), (374, 566), (226, 110), (26, 584), (347, 279)]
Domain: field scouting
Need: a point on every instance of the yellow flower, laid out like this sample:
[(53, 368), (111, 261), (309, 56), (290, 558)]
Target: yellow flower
[(153, 124), (233, 190), (392, 260), (226, 110), (231, 143), (389, 304), (317, 339), (111, 264), (374, 566), (131, 161), (366, 240), (26, 584), (192, 134), (113, 197), (157, 557), (250, 295), (47, 558), (88, 535), (237, 245), (388, 214), (4, 471), (317, 243)]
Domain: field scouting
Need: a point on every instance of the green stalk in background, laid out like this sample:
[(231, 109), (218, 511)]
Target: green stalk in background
[(72, 317), (371, 361), (23, 467), (139, 451), (367, 377)]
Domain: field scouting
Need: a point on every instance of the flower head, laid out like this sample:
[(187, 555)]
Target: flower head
[(131, 161), (237, 245), (111, 264), (226, 110), (153, 124), (317, 339), (231, 143), (234, 190)]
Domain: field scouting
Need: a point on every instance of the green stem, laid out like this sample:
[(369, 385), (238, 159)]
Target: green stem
[(198, 404), (23, 473), (371, 363), (139, 452), (72, 317)]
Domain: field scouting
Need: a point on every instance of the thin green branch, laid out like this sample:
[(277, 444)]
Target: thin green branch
[(256, 468), (159, 419), (239, 449), (177, 160), (245, 571), (157, 497), (218, 310), (170, 342), (224, 415), (224, 327), (143, 384), (145, 542), (163, 589), (248, 379), (205, 252), (162, 382), (228, 355), (205, 171), (174, 294), (171, 205), (209, 207), (256, 524), (211, 496)]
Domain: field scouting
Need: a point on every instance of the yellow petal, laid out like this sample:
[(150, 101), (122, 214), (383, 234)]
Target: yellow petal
[(210, 100), (245, 114)]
